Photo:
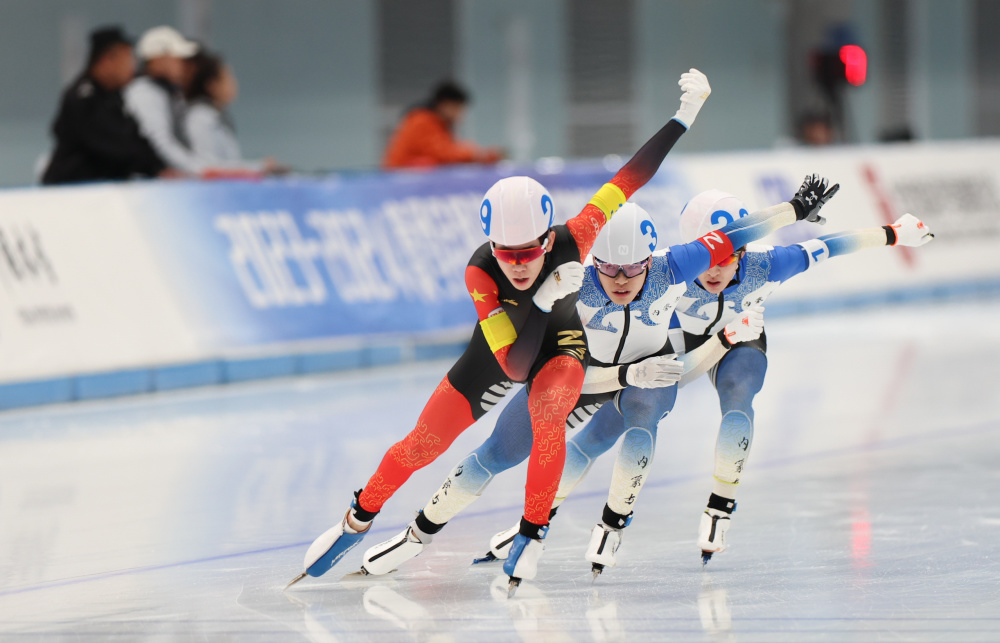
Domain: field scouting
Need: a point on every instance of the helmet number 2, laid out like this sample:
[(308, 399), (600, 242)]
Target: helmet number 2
[(547, 207), (725, 218)]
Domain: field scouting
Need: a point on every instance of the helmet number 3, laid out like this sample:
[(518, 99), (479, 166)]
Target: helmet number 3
[(646, 227)]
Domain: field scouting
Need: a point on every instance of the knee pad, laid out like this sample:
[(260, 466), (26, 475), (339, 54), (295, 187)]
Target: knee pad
[(460, 489), (470, 475)]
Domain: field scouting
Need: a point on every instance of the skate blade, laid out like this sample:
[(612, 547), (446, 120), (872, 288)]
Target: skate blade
[(705, 557), (514, 582), (597, 569), (364, 573), (295, 580), (488, 558)]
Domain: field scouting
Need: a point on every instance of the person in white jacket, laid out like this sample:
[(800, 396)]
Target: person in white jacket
[(155, 100)]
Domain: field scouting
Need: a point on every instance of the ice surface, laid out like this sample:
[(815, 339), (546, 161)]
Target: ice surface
[(869, 509)]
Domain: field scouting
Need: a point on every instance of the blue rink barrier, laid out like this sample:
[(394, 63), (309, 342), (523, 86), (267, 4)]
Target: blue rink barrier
[(137, 381), (216, 372)]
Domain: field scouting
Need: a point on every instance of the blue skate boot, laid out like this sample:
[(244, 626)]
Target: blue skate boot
[(327, 550), (525, 552)]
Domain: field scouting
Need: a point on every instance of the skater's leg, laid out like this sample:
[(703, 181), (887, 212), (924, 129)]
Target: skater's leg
[(443, 419), (554, 392), (507, 446), (596, 437), (738, 379), (642, 410), (510, 446)]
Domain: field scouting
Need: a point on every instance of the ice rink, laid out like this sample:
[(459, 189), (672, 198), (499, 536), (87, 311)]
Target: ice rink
[(868, 511)]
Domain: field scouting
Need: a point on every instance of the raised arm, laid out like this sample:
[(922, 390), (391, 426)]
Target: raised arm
[(692, 259), (642, 166), (907, 230)]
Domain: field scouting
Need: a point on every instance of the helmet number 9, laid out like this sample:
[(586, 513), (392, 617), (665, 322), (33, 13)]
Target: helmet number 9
[(485, 213)]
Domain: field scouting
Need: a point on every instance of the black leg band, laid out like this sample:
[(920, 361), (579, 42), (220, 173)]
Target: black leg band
[(425, 525), (614, 519), (360, 513), (719, 503), (531, 530)]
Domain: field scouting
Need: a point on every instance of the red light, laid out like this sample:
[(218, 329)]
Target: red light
[(855, 64)]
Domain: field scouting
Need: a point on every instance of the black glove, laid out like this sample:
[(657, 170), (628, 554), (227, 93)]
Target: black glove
[(812, 196)]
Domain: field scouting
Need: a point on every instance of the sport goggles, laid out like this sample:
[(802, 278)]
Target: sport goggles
[(518, 257), (630, 269), (731, 259)]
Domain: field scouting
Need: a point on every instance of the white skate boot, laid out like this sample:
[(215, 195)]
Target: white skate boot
[(605, 539), (499, 545), (714, 525), (604, 542), (389, 555)]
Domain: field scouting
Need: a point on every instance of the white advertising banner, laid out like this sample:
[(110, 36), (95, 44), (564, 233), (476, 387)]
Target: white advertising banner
[(79, 289)]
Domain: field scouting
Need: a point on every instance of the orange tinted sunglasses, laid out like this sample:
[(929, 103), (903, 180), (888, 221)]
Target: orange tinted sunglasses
[(731, 259)]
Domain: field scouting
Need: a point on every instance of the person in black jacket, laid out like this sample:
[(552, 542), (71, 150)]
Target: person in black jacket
[(95, 139)]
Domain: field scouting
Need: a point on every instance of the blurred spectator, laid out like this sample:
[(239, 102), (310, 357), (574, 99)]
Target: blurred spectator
[(426, 135), (900, 134), (815, 128), (207, 125), (155, 97), (95, 139)]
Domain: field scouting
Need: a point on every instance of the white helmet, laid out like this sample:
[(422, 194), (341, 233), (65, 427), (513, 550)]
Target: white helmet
[(629, 237), (709, 211), (516, 210)]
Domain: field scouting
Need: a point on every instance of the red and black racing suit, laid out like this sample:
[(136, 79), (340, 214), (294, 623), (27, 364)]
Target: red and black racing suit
[(515, 341)]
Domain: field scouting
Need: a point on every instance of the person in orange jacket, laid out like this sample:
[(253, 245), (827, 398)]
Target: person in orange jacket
[(426, 135)]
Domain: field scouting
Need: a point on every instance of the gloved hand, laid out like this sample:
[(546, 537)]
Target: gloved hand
[(696, 90), (655, 372), (812, 195), (911, 231), (564, 280), (745, 328)]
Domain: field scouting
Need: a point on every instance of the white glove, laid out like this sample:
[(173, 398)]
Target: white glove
[(564, 280), (696, 90), (655, 372), (911, 231), (747, 327)]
